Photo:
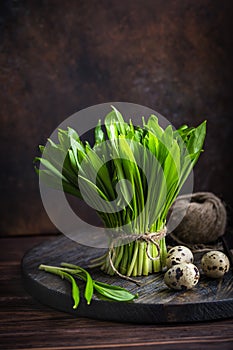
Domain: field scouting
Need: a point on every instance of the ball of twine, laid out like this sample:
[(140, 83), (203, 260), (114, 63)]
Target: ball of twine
[(205, 218)]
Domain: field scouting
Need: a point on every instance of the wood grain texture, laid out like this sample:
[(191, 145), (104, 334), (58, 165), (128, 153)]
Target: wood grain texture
[(210, 299), (27, 324)]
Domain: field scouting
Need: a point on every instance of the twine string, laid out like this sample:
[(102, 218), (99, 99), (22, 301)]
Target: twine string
[(204, 218), (151, 237)]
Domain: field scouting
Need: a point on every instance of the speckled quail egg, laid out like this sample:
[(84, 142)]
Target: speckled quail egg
[(182, 276), (215, 264), (177, 255)]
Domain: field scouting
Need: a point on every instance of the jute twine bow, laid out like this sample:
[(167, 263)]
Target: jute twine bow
[(150, 237)]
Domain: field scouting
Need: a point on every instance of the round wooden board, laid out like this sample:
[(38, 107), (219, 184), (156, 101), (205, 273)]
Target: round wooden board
[(209, 300)]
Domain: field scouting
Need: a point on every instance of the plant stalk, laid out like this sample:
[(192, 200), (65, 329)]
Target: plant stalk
[(132, 259)]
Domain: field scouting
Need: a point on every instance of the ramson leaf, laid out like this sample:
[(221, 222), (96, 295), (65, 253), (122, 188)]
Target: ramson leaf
[(154, 161)]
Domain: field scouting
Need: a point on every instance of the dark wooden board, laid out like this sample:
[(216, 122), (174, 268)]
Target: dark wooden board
[(209, 300)]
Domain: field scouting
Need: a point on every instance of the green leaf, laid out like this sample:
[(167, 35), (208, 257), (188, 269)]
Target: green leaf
[(57, 271), (89, 286), (73, 161), (154, 127), (122, 126), (197, 137), (41, 148), (113, 292), (48, 178), (50, 167), (115, 124), (99, 134), (64, 139), (72, 134)]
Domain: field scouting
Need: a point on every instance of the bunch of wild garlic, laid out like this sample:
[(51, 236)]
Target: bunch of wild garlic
[(155, 162)]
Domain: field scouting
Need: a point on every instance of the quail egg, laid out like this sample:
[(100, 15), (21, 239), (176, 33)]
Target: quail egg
[(177, 255), (215, 264), (182, 276)]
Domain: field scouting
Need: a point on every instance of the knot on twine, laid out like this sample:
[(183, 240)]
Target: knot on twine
[(150, 237), (204, 220)]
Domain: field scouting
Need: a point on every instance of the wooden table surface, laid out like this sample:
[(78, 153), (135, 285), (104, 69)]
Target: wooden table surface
[(25, 323)]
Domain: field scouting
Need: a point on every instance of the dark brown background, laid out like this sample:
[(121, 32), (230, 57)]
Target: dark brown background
[(57, 57)]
